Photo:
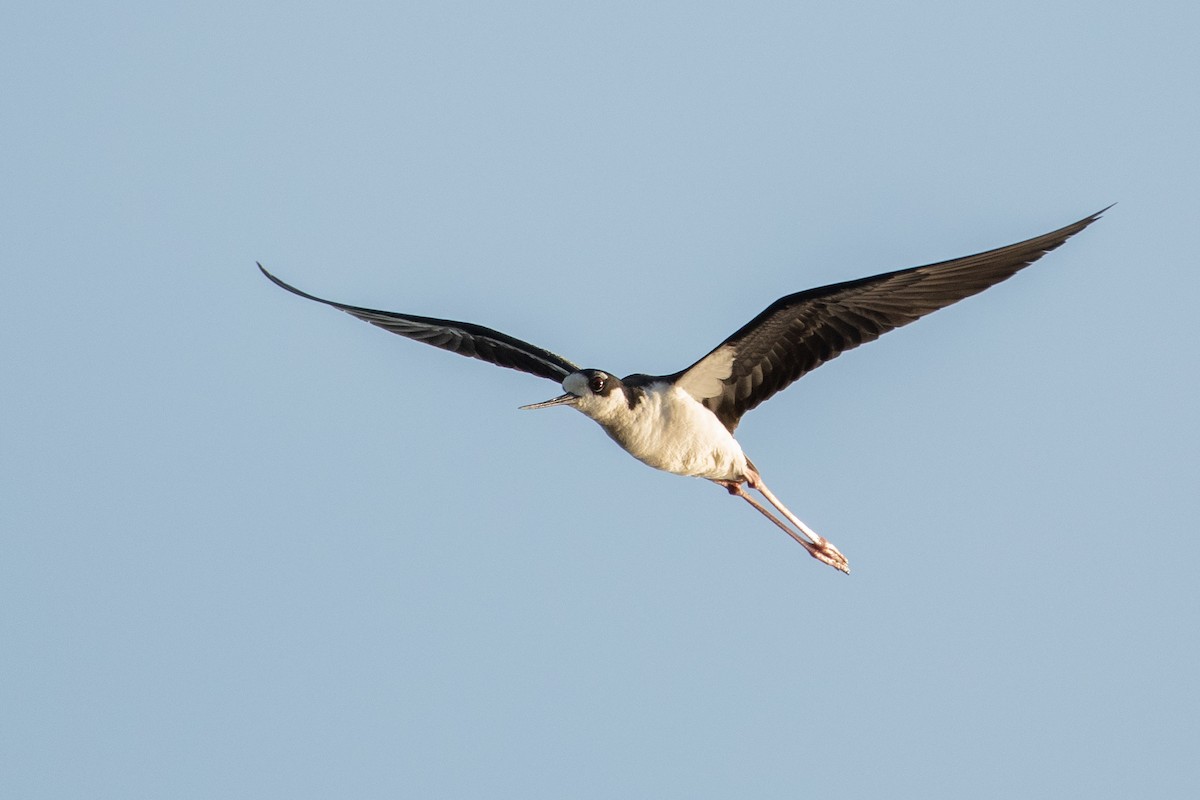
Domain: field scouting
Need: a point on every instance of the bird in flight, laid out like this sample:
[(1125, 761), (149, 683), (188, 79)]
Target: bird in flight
[(684, 422)]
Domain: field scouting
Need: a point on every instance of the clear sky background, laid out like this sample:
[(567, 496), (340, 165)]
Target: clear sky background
[(250, 547)]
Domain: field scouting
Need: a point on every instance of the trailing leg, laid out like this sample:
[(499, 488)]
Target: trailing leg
[(819, 548)]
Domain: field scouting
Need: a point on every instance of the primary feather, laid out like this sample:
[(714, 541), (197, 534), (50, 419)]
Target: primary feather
[(800, 332)]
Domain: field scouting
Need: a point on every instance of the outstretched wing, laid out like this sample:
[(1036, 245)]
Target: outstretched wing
[(463, 338), (800, 332)]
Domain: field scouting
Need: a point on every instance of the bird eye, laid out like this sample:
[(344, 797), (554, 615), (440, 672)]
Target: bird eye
[(596, 384)]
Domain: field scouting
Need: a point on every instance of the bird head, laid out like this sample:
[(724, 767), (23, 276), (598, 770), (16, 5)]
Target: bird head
[(592, 391)]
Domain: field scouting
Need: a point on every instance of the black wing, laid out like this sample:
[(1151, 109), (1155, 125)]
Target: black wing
[(463, 338), (800, 332)]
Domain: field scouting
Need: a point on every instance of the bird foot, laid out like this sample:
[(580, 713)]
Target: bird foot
[(826, 553)]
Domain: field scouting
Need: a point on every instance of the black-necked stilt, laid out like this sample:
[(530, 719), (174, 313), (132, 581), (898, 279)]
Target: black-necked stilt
[(683, 423)]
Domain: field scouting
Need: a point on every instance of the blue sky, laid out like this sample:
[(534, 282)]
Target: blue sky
[(253, 548)]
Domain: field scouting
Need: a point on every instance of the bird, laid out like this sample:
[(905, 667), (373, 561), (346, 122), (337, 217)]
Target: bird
[(684, 423)]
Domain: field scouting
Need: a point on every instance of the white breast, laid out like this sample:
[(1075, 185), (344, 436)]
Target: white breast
[(669, 430)]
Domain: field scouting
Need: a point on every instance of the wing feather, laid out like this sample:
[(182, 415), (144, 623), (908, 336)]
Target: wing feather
[(464, 338), (798, 333)]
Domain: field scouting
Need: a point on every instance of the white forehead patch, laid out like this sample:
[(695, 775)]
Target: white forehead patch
[(576, 383)]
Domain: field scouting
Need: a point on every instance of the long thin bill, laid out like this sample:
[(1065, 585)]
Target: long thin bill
[(561, 400)]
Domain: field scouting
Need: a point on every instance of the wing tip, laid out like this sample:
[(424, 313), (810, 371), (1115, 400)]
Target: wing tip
[(272, 278), (1093, 217), (1086, 222), (283, 285)]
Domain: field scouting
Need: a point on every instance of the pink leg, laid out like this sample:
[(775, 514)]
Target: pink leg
[(819, 547)]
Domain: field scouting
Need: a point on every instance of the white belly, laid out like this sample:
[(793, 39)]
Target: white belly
[(671, 431)]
